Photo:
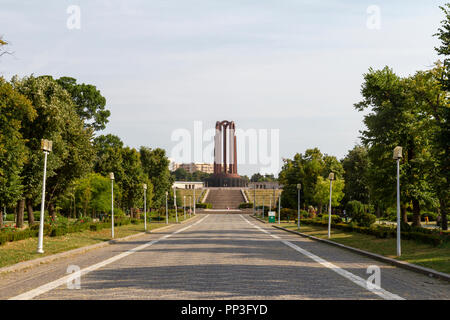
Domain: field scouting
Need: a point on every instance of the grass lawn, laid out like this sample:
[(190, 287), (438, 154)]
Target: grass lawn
[(23, 250), (437, 258)]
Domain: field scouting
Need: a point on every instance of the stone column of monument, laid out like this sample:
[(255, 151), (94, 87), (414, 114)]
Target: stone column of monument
[(225, 157)]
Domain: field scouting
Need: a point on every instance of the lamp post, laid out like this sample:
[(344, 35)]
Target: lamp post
[(263, 209), (184, 207), (195, 200), (167, 210), (397, 156), (254, 199), (190, 206), (331, 178), (299, 186), (145, 206), (46, 146), (175, 202), (111, 177), (279, 208)]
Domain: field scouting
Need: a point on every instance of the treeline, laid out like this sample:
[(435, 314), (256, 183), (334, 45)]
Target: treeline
[(182, 174), (69, 114), (412, 112)]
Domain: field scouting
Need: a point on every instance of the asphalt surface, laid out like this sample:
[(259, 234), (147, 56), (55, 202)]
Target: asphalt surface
[(219, 256)]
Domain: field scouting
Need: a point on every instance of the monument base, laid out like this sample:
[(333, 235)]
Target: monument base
[(226, 180)]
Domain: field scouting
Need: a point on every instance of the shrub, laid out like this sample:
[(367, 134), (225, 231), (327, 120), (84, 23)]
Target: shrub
[(58, 231), (366, 219), (288, 214), (354, 208), (334, 218), (94, 227), (204, 205), (246, 205)]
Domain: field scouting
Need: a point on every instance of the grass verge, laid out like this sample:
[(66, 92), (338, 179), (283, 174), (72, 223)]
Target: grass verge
[(24, 250), (436, 258)]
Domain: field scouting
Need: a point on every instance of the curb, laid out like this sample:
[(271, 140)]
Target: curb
[(402, 264), (260, 220), (35, 262)]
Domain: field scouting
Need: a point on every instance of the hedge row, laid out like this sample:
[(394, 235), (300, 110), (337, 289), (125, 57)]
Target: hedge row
[(418, 234), (56, 231), (245, 205), (204, 205)]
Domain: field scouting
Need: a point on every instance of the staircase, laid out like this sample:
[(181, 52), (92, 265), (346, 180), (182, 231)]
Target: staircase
[(223, 198)]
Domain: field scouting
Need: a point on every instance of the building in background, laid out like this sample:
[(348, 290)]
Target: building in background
[(194, 167)]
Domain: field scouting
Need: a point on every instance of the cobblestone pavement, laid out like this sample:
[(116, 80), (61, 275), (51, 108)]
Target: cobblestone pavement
[(223, 256)]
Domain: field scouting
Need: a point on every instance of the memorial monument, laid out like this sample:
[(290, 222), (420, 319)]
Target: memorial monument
[(225, 157)]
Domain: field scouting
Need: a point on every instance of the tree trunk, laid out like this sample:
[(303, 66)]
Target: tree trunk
[(416, 213), (444, 221), (20, 213), (51, 210), (1, 218), (403, 215), (30, 212)]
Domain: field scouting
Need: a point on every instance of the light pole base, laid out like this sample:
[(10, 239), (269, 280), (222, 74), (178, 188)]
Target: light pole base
[(40, 251)]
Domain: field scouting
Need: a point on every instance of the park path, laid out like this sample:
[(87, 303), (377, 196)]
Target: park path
[(220, 256)]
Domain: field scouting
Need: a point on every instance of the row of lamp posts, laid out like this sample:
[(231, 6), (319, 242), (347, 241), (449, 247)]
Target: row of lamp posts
[(46, 146), (397, 156)]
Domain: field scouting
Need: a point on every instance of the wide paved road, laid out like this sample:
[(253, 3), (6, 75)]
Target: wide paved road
[(220, 257)]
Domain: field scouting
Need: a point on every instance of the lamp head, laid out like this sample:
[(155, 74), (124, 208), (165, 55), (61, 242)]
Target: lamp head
[(331, 176), (299, 186), (145, 186), (46, 145), (397, 153), (111, 175)]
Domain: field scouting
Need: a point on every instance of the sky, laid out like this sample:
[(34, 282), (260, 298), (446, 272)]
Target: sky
[(291, 66)]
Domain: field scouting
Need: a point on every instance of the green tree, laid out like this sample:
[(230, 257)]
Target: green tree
[(108, 159), (156, 166), (14, 109), (356, 164), (305, 169), (58, 121), (89, 102), (133, 179), (396, 118), (322, 192), (440, 110)]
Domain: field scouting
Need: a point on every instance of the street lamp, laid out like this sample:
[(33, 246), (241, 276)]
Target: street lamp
[(254, 199), (190, 206), (175, 202), (299, 186), (145, 206), (263, 208), (397, 156), (46, 147), (279, 208), (167, 210), (331, 178), (111, 176), (184, 207), (195, 200)]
